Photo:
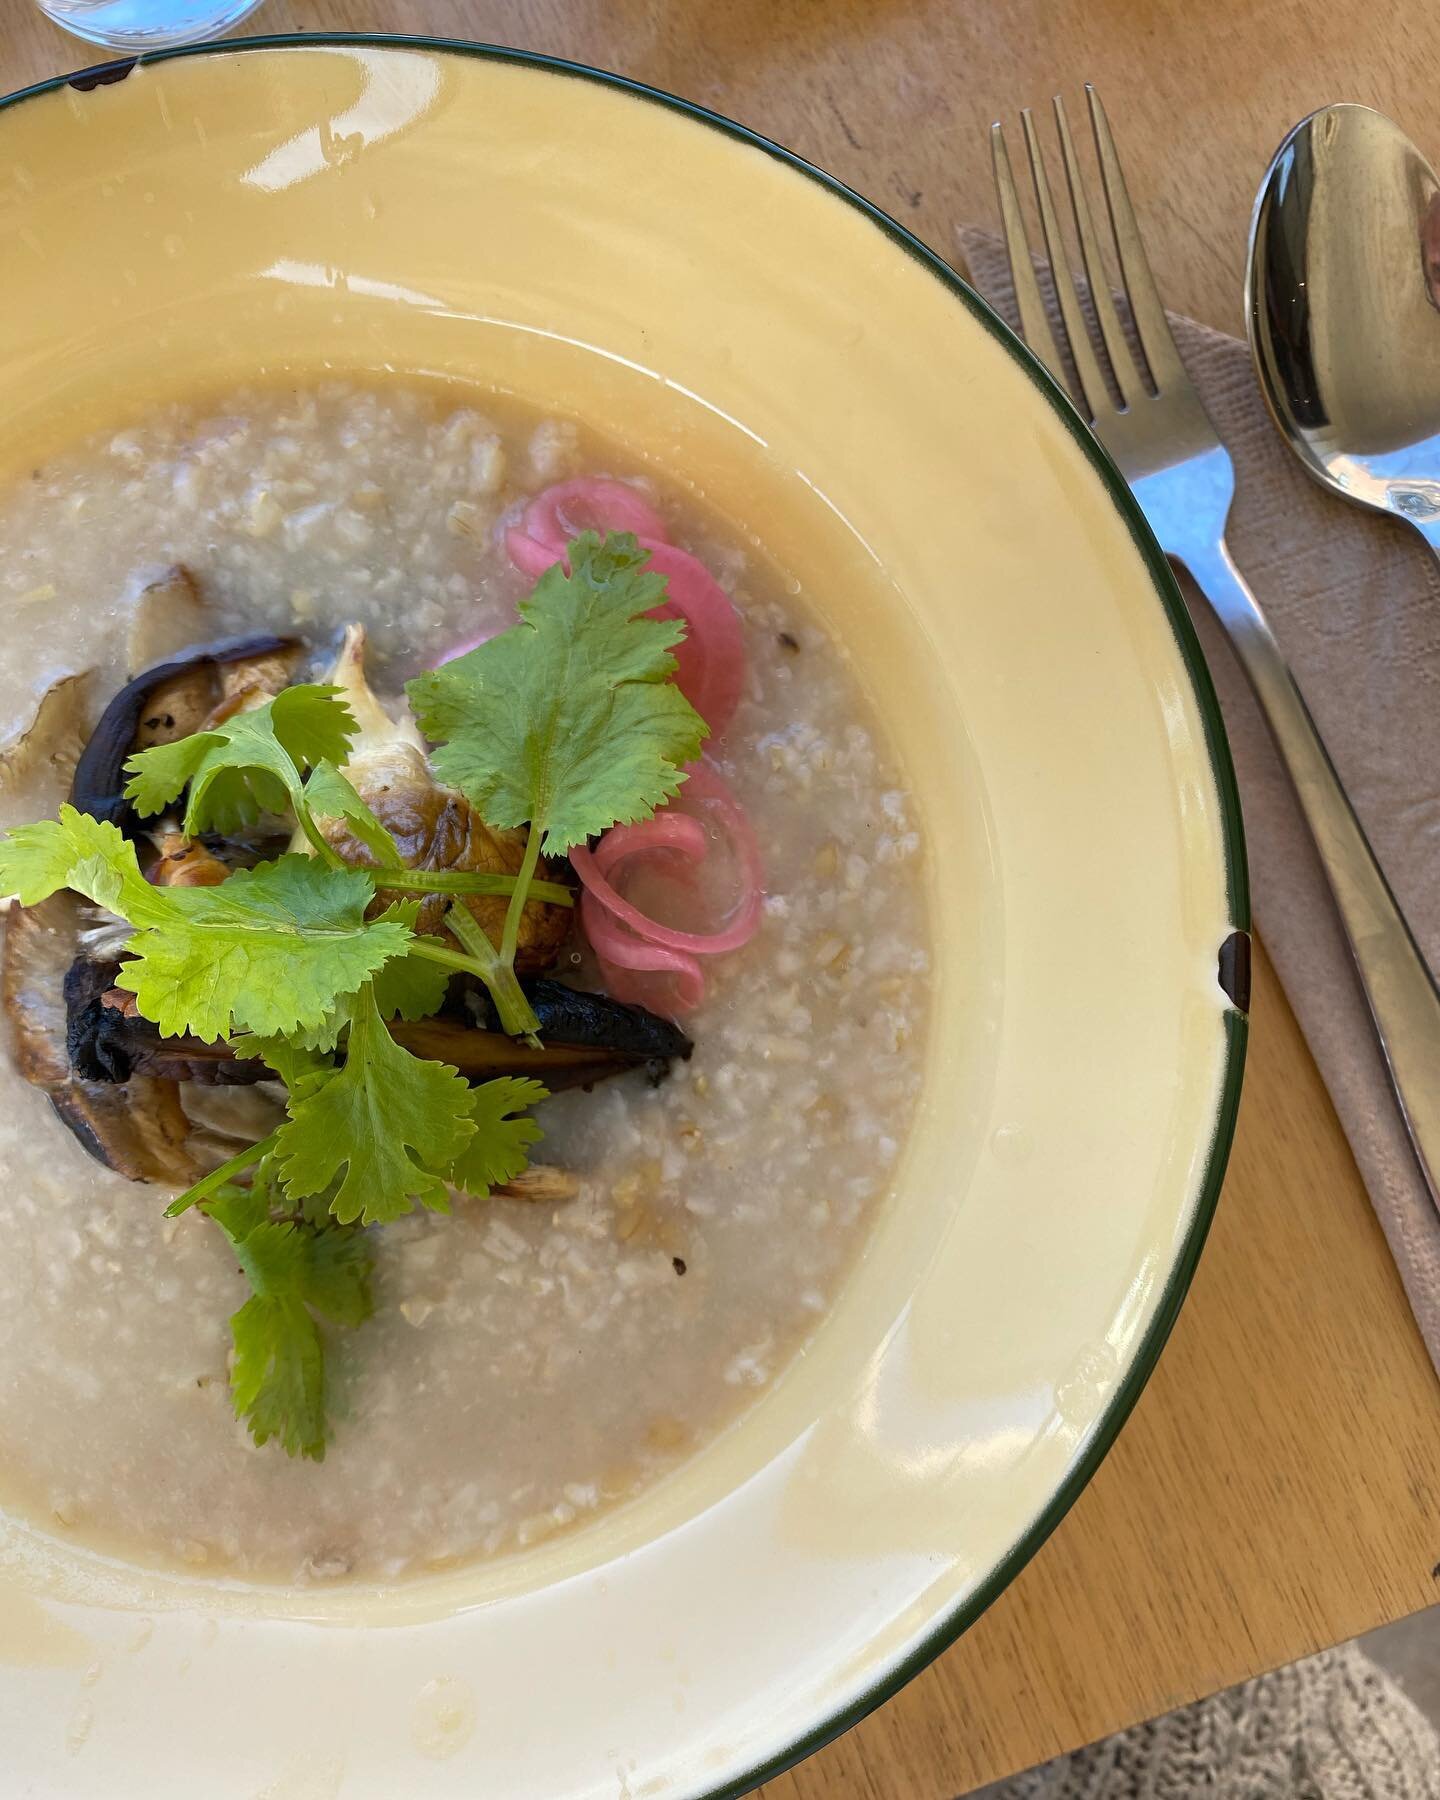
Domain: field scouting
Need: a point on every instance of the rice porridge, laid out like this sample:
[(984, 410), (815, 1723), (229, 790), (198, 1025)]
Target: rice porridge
[(534, 1356)]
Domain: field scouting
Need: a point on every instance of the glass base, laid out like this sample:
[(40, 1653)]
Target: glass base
[(136, 25)]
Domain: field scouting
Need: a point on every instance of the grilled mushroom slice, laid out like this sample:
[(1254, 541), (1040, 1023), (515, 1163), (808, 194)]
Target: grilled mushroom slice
[(52, 741), (587, 1037), (139, 1130), (481, 1055), (166, 613), (170, 701), (592, 1021), (226, 1120)]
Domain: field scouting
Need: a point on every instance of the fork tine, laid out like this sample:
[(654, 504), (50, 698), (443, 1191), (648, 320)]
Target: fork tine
[(1128, 375), (1034, 319), (1082, 351), (1151, 325)]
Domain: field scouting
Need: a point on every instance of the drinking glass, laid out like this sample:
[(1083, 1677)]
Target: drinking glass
[(146, 24)]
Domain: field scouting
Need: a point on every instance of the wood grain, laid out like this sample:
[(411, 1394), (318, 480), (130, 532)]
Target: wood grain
[(1278, 1488)]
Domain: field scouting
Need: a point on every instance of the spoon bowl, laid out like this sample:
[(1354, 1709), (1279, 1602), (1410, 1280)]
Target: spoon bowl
[(1341, 305)]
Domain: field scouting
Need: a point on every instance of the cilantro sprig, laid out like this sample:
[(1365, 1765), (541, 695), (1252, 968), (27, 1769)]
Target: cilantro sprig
[(367, 1137), (269, 951), (300, 1272), (568, 722), (252, 763), (285, 756), (281, 961), (386, 1125)]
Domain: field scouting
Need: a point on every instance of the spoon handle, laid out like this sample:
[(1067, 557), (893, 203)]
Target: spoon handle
[(1402, 995)]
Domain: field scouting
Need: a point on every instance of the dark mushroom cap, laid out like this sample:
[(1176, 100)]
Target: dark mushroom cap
[(99, 784), (587, 1037), (138, 1129)]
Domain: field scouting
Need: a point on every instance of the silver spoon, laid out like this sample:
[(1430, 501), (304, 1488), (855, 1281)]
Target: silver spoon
[(1346, 339), (1343, 306)]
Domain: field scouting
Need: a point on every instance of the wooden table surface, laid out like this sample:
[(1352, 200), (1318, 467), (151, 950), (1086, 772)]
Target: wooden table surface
[(1278, 1488)]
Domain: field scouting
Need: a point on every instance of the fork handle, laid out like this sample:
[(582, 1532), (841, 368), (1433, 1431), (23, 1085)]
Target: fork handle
[(1400, 990)]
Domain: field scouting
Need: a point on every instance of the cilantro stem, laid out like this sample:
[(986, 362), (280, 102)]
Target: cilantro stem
[(325, 851), (523, 882), (218, 1177), (476, 941), (449, 959), (517, 1016), (460, 881)]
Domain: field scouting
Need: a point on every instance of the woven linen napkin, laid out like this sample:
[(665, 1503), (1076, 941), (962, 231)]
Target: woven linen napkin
[(1354, 599)]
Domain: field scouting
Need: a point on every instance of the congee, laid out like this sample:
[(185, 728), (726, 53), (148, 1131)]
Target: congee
[(465, 974)]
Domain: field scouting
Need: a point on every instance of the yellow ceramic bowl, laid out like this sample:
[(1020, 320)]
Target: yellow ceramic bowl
[(489, 219)]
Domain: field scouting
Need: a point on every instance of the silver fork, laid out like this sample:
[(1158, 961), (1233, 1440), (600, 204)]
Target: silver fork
[(1181, 474)]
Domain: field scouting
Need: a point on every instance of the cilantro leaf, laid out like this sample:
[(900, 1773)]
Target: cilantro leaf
[(392, 1122), (568, 721), (277, 1377), (250, 763), (238, 1210), (296, 1063), (326, 1035), (313, 723), (277, 1372), (330, 795), (499, 1150), (160, 775), (268, 951), (409, 985), (91, 856), (314, 1209)]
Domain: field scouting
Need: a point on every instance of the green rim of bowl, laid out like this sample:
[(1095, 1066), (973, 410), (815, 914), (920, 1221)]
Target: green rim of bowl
[(1107, 1429)]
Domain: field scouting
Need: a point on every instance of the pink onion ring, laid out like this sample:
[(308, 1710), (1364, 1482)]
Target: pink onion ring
[(622, 953), (590, 503), (667, 831), (564, 510), (469, 644), (711, 656), (529, 558), (679, 832), (626, 939)]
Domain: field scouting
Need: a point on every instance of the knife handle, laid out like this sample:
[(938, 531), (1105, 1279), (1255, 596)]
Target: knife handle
[(1399, 988)]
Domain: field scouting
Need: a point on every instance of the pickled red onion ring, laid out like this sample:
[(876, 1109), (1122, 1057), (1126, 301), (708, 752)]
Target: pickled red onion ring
[(667, 831), (590, 503), (564, 510), (711, 656), (704, 782), (467, 645), (680, 832), (621, 954), (626, 939), (529, 557)]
